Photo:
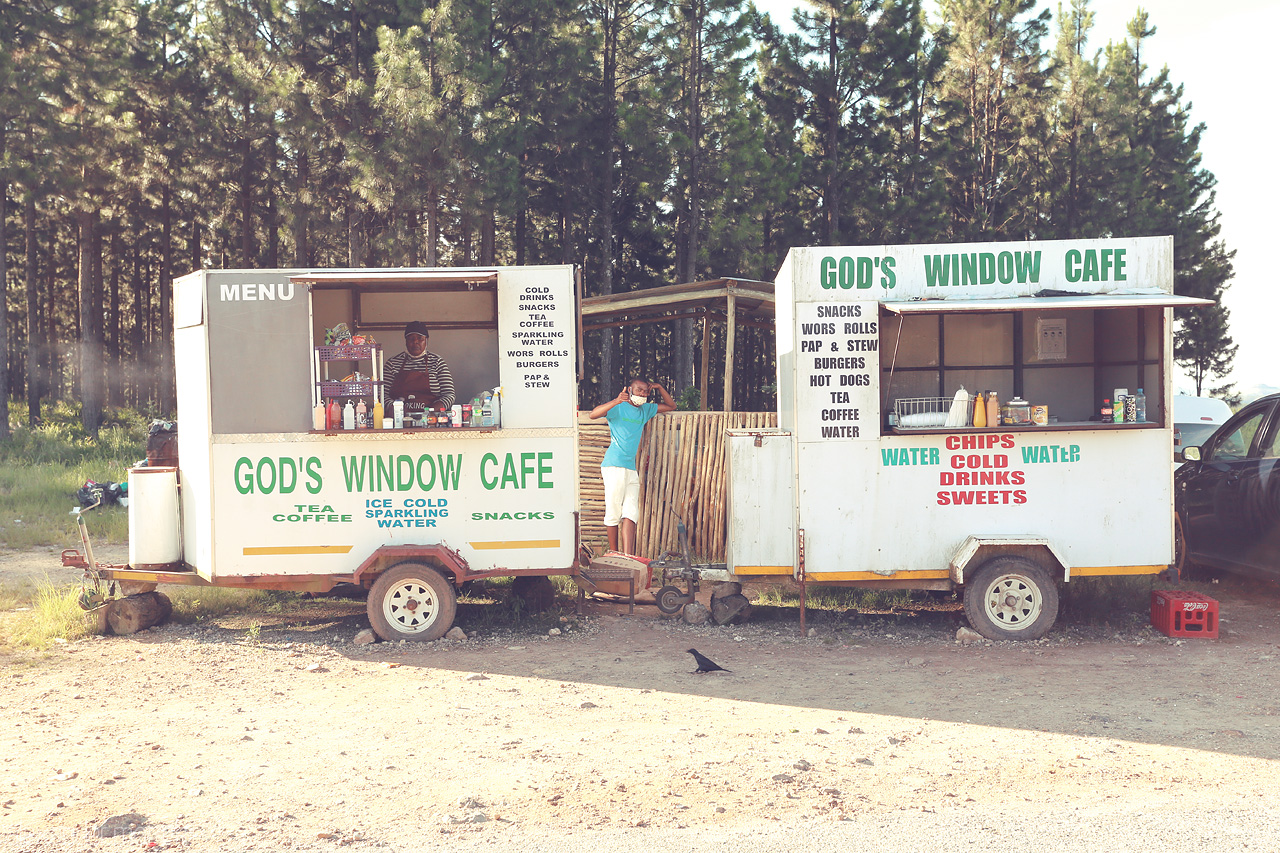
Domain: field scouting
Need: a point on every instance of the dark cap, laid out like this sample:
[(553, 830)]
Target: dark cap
[(416, 328)]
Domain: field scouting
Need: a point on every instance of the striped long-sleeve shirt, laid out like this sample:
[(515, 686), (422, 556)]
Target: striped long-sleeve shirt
[(441, 378)]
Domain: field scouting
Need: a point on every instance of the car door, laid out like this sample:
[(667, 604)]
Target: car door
[(1224, 517), (1262, 503)]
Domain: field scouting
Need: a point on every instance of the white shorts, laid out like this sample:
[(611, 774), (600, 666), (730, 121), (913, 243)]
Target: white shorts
[(621, 495)]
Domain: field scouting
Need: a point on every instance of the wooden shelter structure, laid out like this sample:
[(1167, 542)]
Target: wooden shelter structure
[(732, 301)]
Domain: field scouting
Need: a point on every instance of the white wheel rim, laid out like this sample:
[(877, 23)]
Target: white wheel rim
[(1013, 602), (410, 606)]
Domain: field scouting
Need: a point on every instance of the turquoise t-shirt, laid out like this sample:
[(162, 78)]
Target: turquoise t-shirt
[(626, 423)]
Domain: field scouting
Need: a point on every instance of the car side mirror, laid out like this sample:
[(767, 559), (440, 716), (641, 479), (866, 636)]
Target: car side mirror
[(1189, 454)]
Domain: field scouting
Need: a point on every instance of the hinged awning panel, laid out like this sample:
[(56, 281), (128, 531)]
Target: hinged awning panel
[(1046, 303)]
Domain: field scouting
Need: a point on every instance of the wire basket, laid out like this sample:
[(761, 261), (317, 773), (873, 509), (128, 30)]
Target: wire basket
[(928, 413), (337, 388), (346, 352)]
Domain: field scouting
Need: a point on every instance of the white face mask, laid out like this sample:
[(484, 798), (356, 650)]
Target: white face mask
[(638, 400)]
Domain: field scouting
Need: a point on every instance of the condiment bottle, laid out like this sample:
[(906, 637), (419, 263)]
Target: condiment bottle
[(318, 416), (362, 415), (377, 414), (333, 415), (979, 410), (348, 416), (993, 409)]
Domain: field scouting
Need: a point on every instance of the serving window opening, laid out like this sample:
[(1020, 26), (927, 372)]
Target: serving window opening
[(1066, 360), (358, 327)]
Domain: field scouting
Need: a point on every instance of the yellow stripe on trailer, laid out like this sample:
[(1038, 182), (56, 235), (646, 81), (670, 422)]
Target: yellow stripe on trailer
[(1100, 571), (764, 570), (942, 574), (511, 544), (286, 550)]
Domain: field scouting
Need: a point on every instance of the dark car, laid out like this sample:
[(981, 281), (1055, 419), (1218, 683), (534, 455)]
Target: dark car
[(1227, 495)]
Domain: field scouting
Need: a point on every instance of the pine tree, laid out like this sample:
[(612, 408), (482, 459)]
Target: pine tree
[(997, 75)]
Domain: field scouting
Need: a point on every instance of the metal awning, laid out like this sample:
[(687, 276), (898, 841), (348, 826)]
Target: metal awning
[(394, 279), (1047, 303)]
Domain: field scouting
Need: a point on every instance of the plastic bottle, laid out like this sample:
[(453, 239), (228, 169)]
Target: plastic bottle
[(333, 415), (377, 415), (362, 415), (1141, 401), (497, 407), (348, 416), (486, 410), (1105, 414), (979, 410), (993, 409), (318, 416)]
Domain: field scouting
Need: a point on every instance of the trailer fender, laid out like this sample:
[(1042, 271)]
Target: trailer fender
[(449, 562), (976, 550)]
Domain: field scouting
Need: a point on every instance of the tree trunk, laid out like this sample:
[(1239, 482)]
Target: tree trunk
[(246, 192), (90, 345), (135, 613), (433, 225), (115, 388), (4, 298), (301, 213), (35, 337), (273, 223), (488, 238), (167, 395)]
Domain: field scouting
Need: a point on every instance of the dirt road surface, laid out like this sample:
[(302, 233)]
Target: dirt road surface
[(880, 732)]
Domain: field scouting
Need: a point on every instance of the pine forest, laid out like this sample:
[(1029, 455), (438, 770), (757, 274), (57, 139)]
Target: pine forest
[(650, 142)]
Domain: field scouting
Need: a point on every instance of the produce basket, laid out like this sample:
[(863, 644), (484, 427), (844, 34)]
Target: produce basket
[(928, 412), (337, 388), (346, 352)]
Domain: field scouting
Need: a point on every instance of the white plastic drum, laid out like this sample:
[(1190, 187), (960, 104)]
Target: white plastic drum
[(155, 538)]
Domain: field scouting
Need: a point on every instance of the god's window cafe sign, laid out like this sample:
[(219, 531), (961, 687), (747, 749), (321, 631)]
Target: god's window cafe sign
[(904, 500)]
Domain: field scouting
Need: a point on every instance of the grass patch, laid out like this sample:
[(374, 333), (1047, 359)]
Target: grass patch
[(1097, 600), (55, 614), (42, 467), (196, 603), (835, 598)]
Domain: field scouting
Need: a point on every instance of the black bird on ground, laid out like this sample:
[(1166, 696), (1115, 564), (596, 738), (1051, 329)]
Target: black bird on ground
[(706, 664)]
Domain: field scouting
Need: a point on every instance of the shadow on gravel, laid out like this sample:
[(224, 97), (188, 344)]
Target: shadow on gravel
[(1102, 672)]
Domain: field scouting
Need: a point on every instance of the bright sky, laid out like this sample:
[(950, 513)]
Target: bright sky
[(1220, 52)]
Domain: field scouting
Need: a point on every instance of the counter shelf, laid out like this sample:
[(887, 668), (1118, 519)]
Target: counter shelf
[(1069, 426)]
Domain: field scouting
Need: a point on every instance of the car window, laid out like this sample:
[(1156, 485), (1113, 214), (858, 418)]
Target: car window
[(1193, 434), (1235, 444), (1271, 449)]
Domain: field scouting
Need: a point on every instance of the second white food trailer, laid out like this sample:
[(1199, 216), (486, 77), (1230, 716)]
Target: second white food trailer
[(877, 474)]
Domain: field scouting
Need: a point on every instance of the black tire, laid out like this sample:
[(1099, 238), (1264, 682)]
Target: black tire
[(411, 601), (1186, 568), (670, 599), (1011, 598), (538, 593)]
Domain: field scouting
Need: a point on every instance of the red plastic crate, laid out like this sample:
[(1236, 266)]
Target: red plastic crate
[(1176, 613)]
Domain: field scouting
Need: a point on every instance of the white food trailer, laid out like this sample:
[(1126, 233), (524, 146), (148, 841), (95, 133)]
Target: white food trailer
[(265, 495), (876, 475)]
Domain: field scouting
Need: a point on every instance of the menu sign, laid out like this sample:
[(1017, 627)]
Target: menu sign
[(536, 334), (837, 362)]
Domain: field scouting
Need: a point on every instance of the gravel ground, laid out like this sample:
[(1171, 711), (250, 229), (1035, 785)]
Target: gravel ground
[(878, 731)]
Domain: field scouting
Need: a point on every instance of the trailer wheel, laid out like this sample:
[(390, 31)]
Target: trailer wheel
[(1011, 598), (411, 601), (670, 600)]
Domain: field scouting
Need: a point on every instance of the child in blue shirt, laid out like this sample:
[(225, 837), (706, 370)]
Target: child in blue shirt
[(627, 414)]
